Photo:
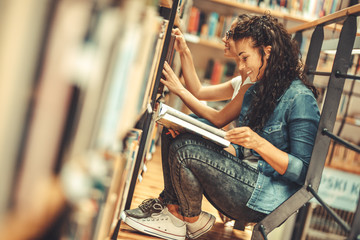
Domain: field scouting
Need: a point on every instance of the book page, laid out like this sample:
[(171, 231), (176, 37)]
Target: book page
[(167, 109), (175, 123), (178, 121)]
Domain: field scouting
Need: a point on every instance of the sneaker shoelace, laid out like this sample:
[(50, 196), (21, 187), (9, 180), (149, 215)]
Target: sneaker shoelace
[(147, 204)]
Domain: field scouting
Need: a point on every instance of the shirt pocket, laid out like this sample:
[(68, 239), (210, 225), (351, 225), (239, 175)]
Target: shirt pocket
[(275, 135)]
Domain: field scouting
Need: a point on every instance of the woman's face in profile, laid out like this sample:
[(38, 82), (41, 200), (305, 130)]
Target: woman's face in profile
[(229, 50), (249, 59)]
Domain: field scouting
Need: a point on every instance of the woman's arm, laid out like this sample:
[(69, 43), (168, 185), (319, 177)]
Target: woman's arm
[(217, 92), (302, 128), (218, 118), (246, 137)]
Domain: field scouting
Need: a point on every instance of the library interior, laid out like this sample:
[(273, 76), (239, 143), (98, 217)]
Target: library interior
[(90, 81)]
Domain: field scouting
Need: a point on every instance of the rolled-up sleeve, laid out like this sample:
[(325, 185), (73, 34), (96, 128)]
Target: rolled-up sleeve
[(303, 121)]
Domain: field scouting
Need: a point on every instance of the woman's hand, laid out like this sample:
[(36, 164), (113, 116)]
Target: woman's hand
[(173, 133), (245, 137), (171, 81), (180, 43)]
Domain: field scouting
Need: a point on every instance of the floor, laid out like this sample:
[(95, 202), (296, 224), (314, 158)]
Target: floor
[(150, 187)]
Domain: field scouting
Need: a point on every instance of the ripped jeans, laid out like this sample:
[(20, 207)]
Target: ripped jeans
[(193, 166)]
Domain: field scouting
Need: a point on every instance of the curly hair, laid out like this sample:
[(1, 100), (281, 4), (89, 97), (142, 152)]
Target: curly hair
[(283, 67), (242, 18)]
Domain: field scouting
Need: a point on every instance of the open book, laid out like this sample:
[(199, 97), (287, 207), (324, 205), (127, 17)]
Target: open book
[(176, 120)]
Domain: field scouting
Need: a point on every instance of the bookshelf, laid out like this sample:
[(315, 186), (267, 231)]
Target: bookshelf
[(147, 121), (286, 14), (82, 77), (286, 11)]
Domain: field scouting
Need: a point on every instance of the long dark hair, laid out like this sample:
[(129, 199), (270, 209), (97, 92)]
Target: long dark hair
[(283, 67)]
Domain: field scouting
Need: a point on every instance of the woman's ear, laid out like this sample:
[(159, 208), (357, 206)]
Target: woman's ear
[(267, 51)]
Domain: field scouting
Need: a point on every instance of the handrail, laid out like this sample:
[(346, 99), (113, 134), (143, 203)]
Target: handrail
[(328, 19)]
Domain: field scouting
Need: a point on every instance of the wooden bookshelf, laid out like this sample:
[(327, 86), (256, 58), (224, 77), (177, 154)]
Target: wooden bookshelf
[(292, 21), (260, 10), (96, 79), (204, 42), (231, 8), (328, 19), (286, 13), (342, 158)]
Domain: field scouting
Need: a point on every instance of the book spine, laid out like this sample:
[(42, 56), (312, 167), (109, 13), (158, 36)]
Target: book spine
[(216, 73), (193, 20), (209, 69), (169, 59), (334, 6), (213, 21), (201, 23)]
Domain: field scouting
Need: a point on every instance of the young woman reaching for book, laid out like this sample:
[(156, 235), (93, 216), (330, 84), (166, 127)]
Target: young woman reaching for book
[(272, 144), (194, 92)]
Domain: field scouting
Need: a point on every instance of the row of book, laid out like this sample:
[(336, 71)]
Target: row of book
[(343, 158), (128, 56), (309, 9), (340, 191), (81, 89), (129, 155), (210, 26), (218, 72), (322, 224)]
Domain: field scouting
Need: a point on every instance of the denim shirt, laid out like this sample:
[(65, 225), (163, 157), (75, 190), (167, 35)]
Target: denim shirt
[(291, 128)]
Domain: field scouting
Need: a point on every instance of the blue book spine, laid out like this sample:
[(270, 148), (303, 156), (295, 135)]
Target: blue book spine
[(213, 21)]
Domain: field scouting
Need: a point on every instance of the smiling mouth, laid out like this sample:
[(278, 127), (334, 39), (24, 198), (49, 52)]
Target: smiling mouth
[(248, 72)]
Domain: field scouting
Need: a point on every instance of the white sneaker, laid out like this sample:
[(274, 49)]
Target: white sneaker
[(163, 225), (146, 209), (201, 226)]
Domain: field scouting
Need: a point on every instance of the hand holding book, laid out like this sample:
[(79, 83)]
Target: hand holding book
[(171, 81), (178, 121), (180, 42), (245, 137), (169, 58), (173, 133)]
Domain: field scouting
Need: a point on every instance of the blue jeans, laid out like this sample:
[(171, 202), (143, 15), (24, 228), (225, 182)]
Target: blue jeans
[(193, 166)]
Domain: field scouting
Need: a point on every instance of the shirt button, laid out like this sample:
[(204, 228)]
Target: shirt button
[(260, 164), (259, 186)]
